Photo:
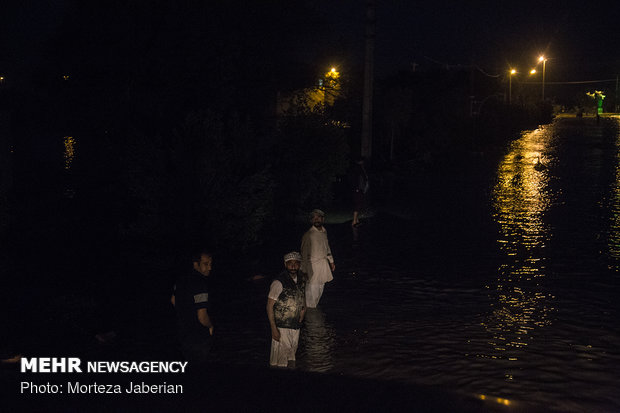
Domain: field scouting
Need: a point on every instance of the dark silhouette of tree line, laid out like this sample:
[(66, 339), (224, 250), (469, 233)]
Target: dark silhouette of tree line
[(173, 107)]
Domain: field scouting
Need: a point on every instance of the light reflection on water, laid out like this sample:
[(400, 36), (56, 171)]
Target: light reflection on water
[(317, 342), (69, 154), (533, 320), (613, 243), (69, 143), (520, 199)]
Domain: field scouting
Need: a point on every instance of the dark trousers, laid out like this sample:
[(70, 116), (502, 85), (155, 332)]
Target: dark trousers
[(197, 349)]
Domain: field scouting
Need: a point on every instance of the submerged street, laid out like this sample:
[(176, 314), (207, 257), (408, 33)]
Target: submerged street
[(511, 297), (496, 283), (466, 159)]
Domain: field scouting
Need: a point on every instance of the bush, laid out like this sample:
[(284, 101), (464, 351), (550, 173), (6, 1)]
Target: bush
[(202, 184)]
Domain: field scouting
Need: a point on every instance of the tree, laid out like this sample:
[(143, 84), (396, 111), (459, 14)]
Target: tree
[(311, 152)]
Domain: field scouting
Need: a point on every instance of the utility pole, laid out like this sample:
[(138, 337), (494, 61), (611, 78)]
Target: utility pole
[(472, 96), (616, 94), (366, 144)]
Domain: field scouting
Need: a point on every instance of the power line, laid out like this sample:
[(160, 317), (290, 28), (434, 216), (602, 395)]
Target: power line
[(580, 82), (460, 66), (485, 73)]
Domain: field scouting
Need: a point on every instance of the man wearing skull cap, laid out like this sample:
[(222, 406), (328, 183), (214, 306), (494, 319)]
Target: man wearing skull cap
[(286, 309), (317, 260)]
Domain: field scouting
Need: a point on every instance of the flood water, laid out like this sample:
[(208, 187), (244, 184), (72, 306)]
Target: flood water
[(504, 287), (496, 279)]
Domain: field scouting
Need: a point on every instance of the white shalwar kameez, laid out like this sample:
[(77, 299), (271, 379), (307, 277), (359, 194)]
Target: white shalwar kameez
[(316, 259), (284, 350)]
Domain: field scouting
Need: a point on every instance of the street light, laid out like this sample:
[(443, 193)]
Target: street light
[(331, 86), (544, 62), (512, 72)]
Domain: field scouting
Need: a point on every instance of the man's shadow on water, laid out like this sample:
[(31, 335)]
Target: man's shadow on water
[(316, 342)]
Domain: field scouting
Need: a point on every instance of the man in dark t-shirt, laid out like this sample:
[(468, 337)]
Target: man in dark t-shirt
[(191, 301)]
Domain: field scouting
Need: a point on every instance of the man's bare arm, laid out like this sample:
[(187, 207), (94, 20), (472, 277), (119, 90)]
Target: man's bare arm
[(203, 318), (275, 333)]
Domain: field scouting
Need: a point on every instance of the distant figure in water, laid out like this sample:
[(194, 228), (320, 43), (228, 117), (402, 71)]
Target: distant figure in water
[(317, 260), (539, 166), (359, 187), (286, 308), (191, 301)]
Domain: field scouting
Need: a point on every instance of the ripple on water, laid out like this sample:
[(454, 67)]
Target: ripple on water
[(532, 317)]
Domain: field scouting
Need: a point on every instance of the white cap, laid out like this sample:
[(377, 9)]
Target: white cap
[(293, 255)]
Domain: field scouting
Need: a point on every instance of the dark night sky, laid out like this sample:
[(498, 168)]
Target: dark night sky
[(579, 37)]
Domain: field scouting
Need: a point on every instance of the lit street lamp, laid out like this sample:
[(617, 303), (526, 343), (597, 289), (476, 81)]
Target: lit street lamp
[(544, 62), (533, 72), (512, 72), (331, 86)]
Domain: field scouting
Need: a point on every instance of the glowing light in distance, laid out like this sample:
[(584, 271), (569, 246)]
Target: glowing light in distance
[(498, 400)]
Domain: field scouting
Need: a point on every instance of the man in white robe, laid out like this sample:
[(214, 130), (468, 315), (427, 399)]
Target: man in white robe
[(317, 260), (285, 311)]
